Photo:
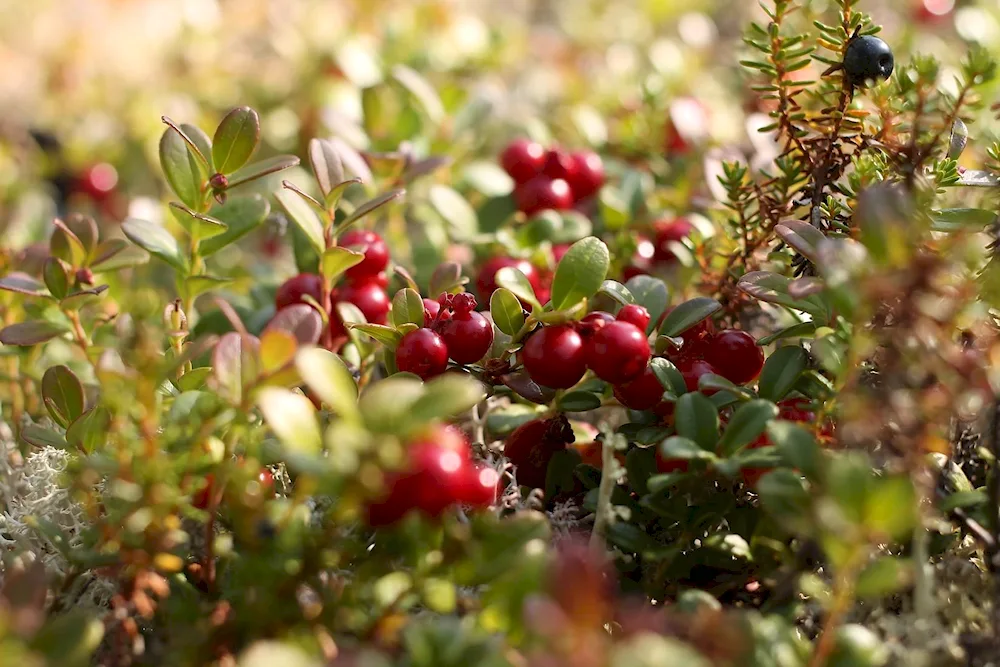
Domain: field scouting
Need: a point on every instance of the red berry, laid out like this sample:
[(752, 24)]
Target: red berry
[(203, 496), (736, 354), (464, 303), (587, 176), (423, 353), (293, 289), (555, 356), (635, 314), (693, 369), (687, 126), (380, 279), (522, 160), (618, 352), (531, 447), (479, 486), (375, 250), (558, 250), (543, 193), (486, 282), (467, 335), (98, 181), (751, 476), (431, 310), (559, 164), (370, 299), (594, 322), (667, 232), (266, 480), (795, 410), (643, 393)]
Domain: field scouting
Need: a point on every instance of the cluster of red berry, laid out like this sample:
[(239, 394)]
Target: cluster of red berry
[(452, 329), (364, 284), (730, 353), (439, 473), (551, 179), (653, 253)]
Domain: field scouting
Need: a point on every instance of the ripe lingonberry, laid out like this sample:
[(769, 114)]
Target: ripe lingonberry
[(558, 250), (643, 393), (293, 289), (693, 369), (532, 445), (618, 352), (464, 303), (522, 160), (641, 263), (635, 314), (867, 59), (266, 480), (468, 336), (203, 496), (555, 357), (594, 322), (98, 181), (587, 175), (486, 282), (374, 248), (667, 232), (370, 299), (687, 125), (559, 164), (423, 353), (736, 355), (478, 486), (543, 193)]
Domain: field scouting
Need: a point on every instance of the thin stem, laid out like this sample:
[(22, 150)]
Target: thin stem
[(607, 486)]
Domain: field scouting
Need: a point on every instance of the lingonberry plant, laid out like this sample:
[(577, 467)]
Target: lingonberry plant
[(596, 392)]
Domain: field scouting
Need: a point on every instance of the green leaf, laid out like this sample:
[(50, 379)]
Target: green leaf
[(115, 254), (794, 331), (781, 371), (455, 211), (380, 332), (369, 207), (262, 168), (848, 479), (650, 293), (181, 168), (65, 245), (891, 507), (22, 283), (883, 576), (292, 417), (711, 382), (580, 272), (155, 240), (193, 379), (421, 91), (773, 288), (512, 279), (31, 332), (784, 496), (197, 225), (196, 285), (579, 401), (488, 178), (69, 639), (407, 307), (748, 422), (801, 236), (39, 436), (957, 219), (678, 447), (235, 139), (697, 419), (78, 300), (195, 136), (686, 315), (303, 215), (796, 445), (301, 320), (90, 430), (234, 365), (63, 394), (85, 229), (447, 396), (963, 499), (856, 646), (326, 374), (326, 165), (56, 276), (336, 260), (506, 311), (668, 375), (616, 291), (241, 215), (447, 277), (386, 406)]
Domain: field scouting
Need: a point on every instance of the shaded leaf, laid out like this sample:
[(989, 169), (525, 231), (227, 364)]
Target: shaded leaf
[(63, 394), (650, 293), (407, 307), (31, 332), (262, 168), (300, 320), (686, 315), (697, 419), (746, 424), (781, 371), (155, 240), (241, 215), (22, 283), (455, 210)]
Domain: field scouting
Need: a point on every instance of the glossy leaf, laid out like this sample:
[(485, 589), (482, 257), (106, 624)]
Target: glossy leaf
[(580, 272), (90, 430), (336, 260), (262, 168), (383, 334), (407, 307), (181, 168), (63, 395), (155, 240), (303, 215), (678, 447), (746, 424), (801, 236), (329, 378), (56, 275), (447, 396), (300, 320), (579, 401), (508, 315), (512, 279), (65, 245), (241, 215), (31, 332), (696, 418), (235, 139), (22, 283), (197, 225), (781, 371), (668, 375), (686, 315), (797, 446), (326, 165), (650, 293), (616, 291)]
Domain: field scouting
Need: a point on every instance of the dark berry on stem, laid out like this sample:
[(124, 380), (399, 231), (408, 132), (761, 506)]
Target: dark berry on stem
[(370, 298), (867, 59), (543, 193), (522, 160), (634, 314), (374, 248), (736, 354), (532, 445), (468, 336), (293, 289), (423, 353), (555, 357), (618, 352)]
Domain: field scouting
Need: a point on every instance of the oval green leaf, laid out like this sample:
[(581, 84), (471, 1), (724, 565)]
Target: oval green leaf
[(235, 139), (181, 168), (686, 315), (781, 371), (508, 315), (580, 272), (748, 422)]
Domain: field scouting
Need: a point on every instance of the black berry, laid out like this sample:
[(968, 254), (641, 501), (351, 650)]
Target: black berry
[(867, 59)]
